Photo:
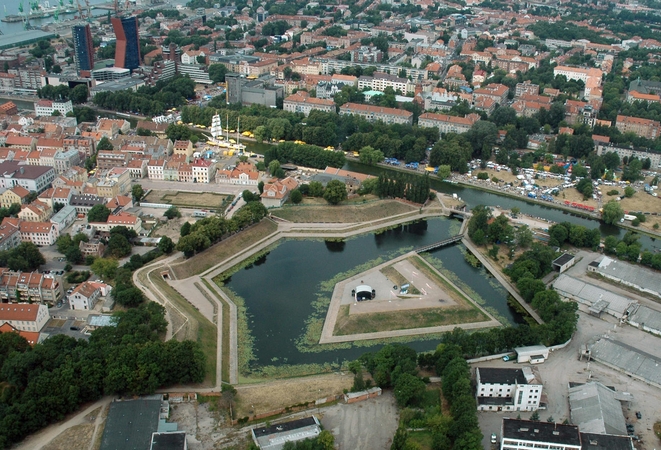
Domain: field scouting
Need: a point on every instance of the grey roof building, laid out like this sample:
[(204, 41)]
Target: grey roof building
[(590, 441), (131, 423), (645, 280), (627, 359), (594, 408), (275, 436)]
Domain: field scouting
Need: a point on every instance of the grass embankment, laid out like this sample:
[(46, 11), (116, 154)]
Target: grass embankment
[(345, 213), (459, 297), (205, 330), (209, 200), (225, 316), (403, 320), (224, 249)]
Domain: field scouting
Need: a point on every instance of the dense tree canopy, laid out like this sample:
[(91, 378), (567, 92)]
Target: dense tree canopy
[(61, 373)]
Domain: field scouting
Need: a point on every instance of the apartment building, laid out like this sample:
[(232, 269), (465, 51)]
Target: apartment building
[(109, 159), (378, 113), (30, 286), (32, 178), (184, 148), (23, 316), (447, 124), (203, 170), (39, 233), (16, 194), (497, 92), (641, 127), (155, 169), (379, 81), (526, 88), (501, 389), (301, 102), (48, 107), (244, 173)]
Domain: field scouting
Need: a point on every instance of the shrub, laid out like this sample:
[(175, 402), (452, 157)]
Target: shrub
[(482, 176)]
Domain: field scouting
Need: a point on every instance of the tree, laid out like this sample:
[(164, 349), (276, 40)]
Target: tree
[(524, 236), (336, 192), (74, 255), (612, 212), (629, 191), (275, 169), (408, 389), (104, 144), (315, 189), (166, 245), (185, 229), (26, 257), (137, 192), (611, 160), (296, 196), (176, 132), (130, 297), (104, 267), (119, 246), (172, 212), (370, 156), (217, 73), (444, 172), (98, 213), (79, 94)]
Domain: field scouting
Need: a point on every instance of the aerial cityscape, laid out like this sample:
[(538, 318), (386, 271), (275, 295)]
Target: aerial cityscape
[(352, 224)]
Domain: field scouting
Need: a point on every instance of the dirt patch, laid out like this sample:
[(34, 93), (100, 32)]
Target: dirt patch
[(226, 248), (262, 398), (363, 212), (209, 200), (365, 425), (79, 436)]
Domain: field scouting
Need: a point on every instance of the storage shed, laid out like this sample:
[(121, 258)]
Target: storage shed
[(532, 354)]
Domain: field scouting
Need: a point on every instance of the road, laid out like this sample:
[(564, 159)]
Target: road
[(43, 437)]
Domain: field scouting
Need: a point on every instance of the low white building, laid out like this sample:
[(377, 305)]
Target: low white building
[(533, 354), (63, 218), (84, 297), (48, 107), (501, 389)]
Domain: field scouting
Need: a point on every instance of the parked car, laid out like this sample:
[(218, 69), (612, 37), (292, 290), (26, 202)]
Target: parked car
[(74, 328), (639, 415), (494, 438)]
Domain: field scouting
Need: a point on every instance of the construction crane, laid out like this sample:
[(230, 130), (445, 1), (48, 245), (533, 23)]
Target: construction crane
[(89, 11)]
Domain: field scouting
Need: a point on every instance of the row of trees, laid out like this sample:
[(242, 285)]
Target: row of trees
[(397, 185), (303, 154), (44, 383), (148, 100), (206, 232)]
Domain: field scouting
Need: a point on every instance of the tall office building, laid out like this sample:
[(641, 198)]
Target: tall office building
[(83, 47), (127, 52)]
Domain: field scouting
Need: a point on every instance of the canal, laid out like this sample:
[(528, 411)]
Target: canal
[(280, 288)]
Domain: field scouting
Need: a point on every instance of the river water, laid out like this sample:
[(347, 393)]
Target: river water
[(279, 289)]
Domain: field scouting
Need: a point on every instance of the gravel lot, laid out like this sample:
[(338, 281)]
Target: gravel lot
[(367, 425)]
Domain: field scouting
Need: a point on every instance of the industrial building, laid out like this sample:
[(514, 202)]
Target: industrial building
[(501, 389), (141, 424), (597, 409), (599, 300), (274, 437), (637, 277), (627, 359)]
